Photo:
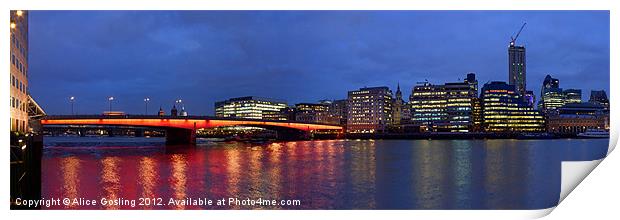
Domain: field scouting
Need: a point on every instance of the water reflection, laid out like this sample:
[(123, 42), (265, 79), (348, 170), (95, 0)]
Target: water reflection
[(233, 168), (178, 178), (148, 175), (70, 167), (333, 174), (462, 169), (110, 180)]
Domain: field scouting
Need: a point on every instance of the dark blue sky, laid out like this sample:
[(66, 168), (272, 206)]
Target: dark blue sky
[(297, 56)]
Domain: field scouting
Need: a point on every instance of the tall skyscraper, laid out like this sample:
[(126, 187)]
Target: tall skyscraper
[(19, 71), (550, 82), (370, 110), (516, 67)]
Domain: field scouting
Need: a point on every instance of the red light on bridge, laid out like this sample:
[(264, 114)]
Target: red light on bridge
[(185, 123)]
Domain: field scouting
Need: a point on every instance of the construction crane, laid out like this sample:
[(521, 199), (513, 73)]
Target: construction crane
[(514, 39)]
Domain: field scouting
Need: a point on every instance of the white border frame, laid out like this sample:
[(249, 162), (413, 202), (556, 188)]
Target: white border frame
[(606, 169)]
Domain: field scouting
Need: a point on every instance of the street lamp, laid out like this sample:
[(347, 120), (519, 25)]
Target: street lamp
[(72, 100), (110, 100), (146, 105)]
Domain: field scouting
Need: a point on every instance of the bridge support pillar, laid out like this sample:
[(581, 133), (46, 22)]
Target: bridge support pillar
[(110, 132), (292, 134), (180, 136), (139, 132)]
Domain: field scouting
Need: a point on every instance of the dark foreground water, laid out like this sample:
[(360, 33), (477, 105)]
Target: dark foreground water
[(328, 174)]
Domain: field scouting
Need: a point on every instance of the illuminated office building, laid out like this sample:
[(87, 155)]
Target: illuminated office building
[(339, 109), (447, 108), (312, 107), (551, 95), (530, 98), (428, 107), (600, 97), (572, 96), (370, 110), (459, 104), (575, 118), (551, 100), (251, 107), (477, 115), (315, 113), (405, 119), (19, 71), (504, 110)]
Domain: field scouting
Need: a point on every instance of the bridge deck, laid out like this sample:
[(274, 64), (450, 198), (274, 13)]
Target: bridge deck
[(186, 122)]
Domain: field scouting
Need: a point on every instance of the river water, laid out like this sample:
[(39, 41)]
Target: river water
[(321, 174)]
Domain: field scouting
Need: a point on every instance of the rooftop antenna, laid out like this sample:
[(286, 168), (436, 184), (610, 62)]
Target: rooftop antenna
[(513, 39)]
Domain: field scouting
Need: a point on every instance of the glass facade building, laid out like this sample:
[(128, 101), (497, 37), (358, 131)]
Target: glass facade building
[(428, 107), (251, 107), (551, 95), (572, 96), (444, 108), (504, 110), (459, 105)]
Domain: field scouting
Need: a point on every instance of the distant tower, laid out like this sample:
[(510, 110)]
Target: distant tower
[(161, 111), (183, 112), (173, 111), (516, 65), (397, 107), (399, 94)]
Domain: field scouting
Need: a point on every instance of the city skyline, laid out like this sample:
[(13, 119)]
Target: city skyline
[(342, 54)]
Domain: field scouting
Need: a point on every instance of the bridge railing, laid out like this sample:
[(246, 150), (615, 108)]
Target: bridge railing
[(191, 117)]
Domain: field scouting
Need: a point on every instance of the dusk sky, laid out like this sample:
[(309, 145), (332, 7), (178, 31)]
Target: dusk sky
[(296, 56)]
